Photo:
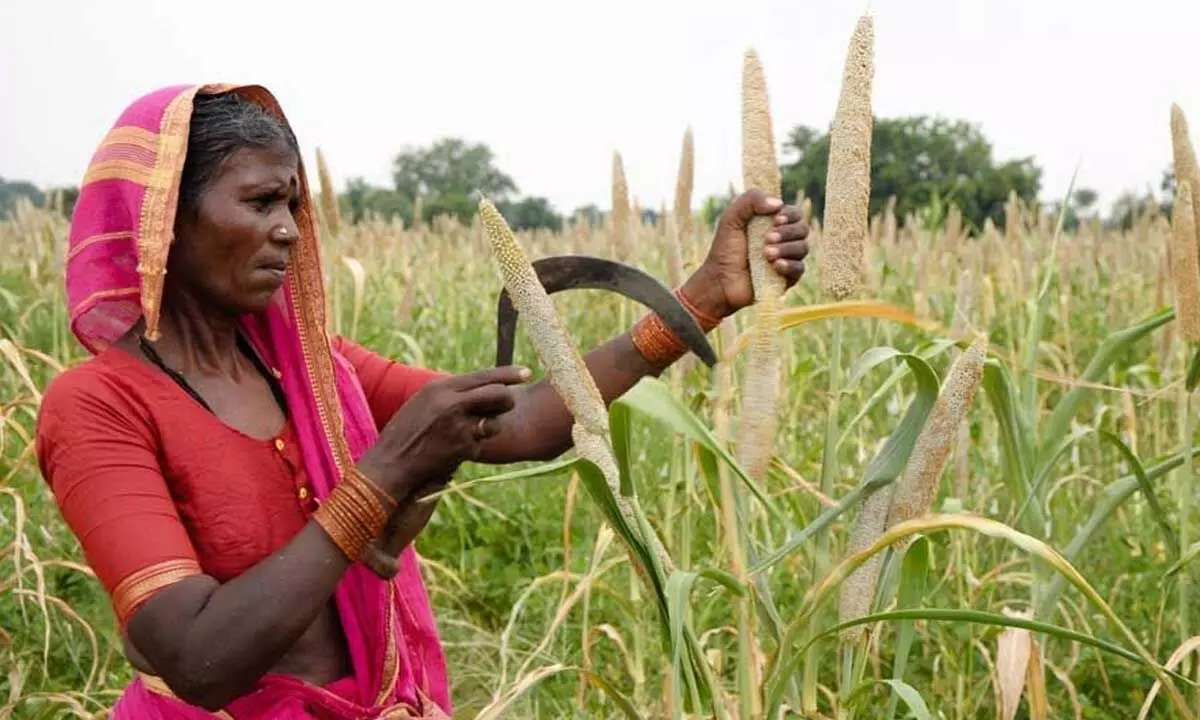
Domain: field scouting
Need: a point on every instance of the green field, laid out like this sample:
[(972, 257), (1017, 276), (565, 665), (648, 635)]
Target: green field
[(540, 610)]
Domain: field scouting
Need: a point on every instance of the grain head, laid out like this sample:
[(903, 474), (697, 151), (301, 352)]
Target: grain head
[(1185, 265), (1012, 217), (680, 233), (565, 368), (759, 166), (857, 591), (964, 301), (954, 224), (1184, 156), (848, 184), (418, 213), (684, 182), (621, 213), (760, 169), (889, 221), (329, 198), (917, 487)]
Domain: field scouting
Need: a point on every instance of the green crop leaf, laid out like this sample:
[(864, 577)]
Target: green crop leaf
[(888, 464), (1193, 373), (652, 397), (1113, 347), (914, 584), (1111, 498), (1144, 485)]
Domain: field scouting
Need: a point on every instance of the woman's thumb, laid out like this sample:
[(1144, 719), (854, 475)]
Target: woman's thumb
[(749, 204)]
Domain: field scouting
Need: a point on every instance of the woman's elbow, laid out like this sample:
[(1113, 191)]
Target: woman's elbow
[(212, 695), (205, 681)]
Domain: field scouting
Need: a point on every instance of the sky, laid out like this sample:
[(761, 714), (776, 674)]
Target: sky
[(555, 87)]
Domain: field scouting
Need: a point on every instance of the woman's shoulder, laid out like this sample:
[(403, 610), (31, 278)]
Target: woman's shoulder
[(107, 385), (98, 374)]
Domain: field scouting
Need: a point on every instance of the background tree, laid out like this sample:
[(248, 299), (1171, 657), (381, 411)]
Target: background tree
[(1085, 200), (361, 199), (70, 194), (1128, 207), (1167, 186), (591, 213), (446, 173), (12, 190), (353, 202), (531, 213), (917, 159), (712, 207)]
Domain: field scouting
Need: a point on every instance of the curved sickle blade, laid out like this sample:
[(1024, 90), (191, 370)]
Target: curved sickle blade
[(583, 272)]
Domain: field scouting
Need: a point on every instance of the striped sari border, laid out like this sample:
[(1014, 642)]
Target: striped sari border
[(140, 586), (102, 237), (158, 686), (118, 169), (109, 294)]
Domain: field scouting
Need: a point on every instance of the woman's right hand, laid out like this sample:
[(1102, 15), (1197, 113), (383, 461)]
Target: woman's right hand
[(439, 428)]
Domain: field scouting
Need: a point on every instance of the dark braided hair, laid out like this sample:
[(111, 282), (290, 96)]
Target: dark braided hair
[(221, 125)]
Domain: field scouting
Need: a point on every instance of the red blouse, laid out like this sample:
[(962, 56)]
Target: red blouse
[(156, 488)]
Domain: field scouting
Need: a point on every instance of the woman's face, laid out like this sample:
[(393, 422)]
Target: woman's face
[(230, 254)]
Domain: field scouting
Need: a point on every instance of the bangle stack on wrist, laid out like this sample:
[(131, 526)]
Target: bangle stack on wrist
[(354, 513), (658, 343)]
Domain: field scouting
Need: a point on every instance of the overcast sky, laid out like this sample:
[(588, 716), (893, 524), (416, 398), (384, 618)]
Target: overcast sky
[(554, 87)]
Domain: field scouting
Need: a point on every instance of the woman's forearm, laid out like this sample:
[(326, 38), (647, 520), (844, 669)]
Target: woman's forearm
[(211, 642), (539, 427)]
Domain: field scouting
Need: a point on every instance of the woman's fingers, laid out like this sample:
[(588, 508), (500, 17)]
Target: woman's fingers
[(787, 245), (792, 250), (786, 233), (506, 375), (789, 232), (487, 427), (791, 270), (789, 215), (494, 399)]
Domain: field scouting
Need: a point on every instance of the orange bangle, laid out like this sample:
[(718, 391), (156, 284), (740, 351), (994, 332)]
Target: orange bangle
[(658, 343), (707, 322), (387, 499), (353, 515)]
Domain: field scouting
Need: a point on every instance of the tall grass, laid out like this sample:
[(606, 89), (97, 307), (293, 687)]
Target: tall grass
[(505, 566)]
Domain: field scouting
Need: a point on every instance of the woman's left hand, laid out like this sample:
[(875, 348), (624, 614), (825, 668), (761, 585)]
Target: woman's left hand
[(721, 285)]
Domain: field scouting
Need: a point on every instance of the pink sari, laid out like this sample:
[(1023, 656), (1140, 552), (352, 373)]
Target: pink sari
[(120, 237)]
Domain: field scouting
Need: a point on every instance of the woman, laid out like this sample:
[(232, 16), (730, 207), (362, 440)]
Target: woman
[(224, 463)]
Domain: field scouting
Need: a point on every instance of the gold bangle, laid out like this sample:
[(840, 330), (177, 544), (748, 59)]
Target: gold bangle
[(707, 322), (383, 494), (657, 343), (352, 516)]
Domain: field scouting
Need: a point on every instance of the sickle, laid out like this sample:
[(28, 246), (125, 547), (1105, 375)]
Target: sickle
[(583, 272), (570, 272)]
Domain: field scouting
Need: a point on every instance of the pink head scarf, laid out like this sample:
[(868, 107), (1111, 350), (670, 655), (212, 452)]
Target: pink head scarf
[(121, 234)]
